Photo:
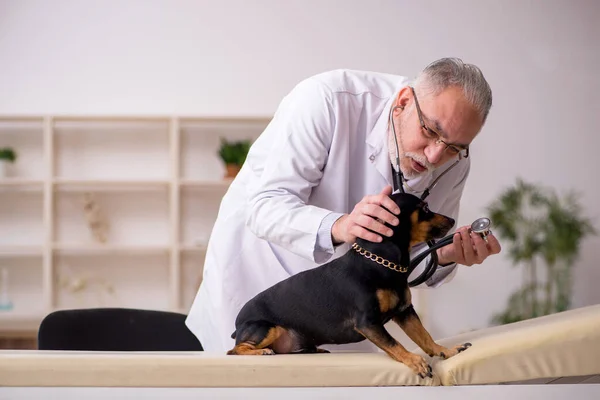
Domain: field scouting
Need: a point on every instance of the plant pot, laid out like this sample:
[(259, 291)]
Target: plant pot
[(232, 170), (3, 169)]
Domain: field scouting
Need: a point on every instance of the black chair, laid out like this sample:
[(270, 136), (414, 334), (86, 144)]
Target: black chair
[(116, 329)]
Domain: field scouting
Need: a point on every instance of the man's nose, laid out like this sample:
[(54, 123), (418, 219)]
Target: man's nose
[(434, 152)]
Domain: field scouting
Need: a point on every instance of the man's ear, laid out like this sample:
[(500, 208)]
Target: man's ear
[(402, 98)]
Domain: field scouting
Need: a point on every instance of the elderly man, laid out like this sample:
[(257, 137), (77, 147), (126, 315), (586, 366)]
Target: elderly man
[(320, 174)]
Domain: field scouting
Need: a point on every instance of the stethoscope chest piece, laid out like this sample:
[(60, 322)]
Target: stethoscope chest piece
[(481, 226)]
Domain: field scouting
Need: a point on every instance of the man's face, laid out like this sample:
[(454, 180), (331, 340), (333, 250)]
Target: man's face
[(448, 115)]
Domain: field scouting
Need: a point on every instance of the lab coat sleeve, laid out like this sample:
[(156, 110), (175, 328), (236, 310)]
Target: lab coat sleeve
[(451, 207), (300, 137), (325, 248)]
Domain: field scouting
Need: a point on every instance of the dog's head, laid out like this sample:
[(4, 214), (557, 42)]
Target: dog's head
[(417, 222)]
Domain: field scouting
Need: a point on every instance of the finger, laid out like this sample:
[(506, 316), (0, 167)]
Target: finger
[(468, 250), (372, 224), (384, 201), (458, 248), (378, 212), (481, 249), (359, 231), (388, 203), (387, 190), (493, 244)]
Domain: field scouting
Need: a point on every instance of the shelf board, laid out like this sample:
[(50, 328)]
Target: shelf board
[(225, 123), (22, 183), (21, 251), (191, 248), (205, 184), (101, 126), (97, 249), (21, 124), (111, 118), (15, 322), (85, 185), (21, 118)]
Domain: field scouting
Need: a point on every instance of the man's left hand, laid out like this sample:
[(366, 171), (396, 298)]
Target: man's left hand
[(468, 248)]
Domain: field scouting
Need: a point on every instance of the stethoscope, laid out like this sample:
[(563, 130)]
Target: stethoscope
[(480, 226)]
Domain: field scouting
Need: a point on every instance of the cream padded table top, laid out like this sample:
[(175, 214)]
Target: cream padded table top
[(560, 345), (565, 344), (22, 368)]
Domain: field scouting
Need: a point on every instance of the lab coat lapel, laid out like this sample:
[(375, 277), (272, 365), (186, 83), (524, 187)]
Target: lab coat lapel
[(383, 164), (377, 142)]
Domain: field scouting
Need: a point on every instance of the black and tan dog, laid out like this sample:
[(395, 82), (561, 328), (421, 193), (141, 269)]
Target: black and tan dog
[(349, 299)]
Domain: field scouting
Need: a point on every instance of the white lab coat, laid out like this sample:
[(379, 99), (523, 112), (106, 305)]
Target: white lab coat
[(325, 149)]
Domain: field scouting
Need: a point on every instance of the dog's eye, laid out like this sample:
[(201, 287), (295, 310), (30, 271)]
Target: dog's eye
[(425, 207)]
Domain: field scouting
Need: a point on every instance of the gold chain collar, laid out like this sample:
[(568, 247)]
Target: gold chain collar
[(378, 259)]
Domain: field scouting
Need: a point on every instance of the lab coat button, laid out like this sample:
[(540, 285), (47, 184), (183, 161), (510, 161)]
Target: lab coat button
[(372, 158)]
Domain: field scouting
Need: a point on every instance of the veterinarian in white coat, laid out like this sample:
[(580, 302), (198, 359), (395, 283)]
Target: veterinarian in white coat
[(325, 149)]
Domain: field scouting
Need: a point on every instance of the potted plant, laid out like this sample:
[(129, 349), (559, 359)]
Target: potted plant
[(541, 230), (233, 154), (7, 155)]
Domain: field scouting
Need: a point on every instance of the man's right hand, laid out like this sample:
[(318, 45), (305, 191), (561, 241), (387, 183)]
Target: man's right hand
[(363, 221)]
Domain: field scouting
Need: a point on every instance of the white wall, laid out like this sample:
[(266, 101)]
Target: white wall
[(240, 57)]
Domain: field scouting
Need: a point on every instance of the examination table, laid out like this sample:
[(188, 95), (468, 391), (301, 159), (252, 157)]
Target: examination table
[(552, 356)]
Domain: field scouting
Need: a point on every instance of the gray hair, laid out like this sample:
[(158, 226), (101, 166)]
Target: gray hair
[(446, 72)]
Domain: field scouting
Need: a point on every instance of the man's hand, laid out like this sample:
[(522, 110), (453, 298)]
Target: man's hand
[(468, 248), (363, 221)]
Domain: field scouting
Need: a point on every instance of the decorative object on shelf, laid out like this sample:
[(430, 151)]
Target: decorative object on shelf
[(95, 219), (5, 301), (539, 228), (78, 286), (233, 155), (7, 155)]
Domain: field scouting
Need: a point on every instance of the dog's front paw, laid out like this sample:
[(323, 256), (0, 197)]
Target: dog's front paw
[(446, 353), (418, 365)]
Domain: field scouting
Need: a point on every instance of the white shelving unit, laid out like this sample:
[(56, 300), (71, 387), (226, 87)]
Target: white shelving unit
[(158, 182)]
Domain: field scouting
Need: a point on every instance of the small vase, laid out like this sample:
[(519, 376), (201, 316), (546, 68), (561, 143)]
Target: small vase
[(232, 170), (5, 301)]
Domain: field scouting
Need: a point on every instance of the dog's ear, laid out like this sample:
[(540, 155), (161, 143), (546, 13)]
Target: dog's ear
[(405, 199)]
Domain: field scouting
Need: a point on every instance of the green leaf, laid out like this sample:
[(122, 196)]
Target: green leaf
[(234, 152), (8, 154)]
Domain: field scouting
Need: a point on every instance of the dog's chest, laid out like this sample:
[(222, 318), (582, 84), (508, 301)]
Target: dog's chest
[(392, 300)]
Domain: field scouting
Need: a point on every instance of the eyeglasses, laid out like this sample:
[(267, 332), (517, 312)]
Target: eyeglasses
[(431, 134)]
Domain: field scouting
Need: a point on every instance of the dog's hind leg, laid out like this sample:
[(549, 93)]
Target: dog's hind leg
[(255, 338), (411, 324)]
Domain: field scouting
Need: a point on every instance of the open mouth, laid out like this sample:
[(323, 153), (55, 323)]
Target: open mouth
[(417, 166)]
